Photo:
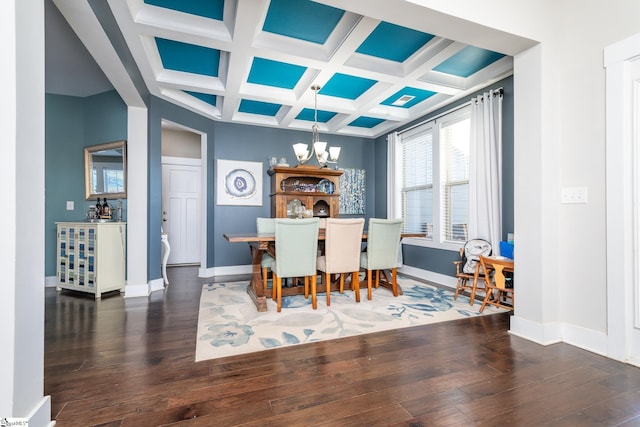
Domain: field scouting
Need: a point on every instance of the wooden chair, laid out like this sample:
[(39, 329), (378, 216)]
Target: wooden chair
[(495, 280), (266, 226), (296, 254), (343, 243), (383, 245), (468, 270)]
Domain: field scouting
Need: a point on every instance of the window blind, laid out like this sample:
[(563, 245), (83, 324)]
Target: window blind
[(454, 137), (417, 182)]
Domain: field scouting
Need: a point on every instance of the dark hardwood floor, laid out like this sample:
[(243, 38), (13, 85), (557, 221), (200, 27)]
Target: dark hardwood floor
[(130, 362)]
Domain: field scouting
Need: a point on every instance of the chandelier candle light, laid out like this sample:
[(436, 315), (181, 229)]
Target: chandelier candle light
[(323, 156)]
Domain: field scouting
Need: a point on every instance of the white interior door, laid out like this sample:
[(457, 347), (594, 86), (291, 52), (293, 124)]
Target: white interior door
[(633, 321), (181, 209)]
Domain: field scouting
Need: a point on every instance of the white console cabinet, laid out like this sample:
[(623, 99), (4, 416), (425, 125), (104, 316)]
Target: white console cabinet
[(91, 257)]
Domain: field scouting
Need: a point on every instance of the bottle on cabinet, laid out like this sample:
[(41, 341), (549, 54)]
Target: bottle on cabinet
[(106, 209)]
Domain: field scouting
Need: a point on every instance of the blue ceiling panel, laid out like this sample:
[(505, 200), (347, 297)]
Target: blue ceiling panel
[(345, 86), (206, 97), (308, 114), (275, 73), (189, 58), (418, 95), (468, 61), (207, 8), (393, 42), (302, 19), (366, 122), (372, 68), (258, 107)]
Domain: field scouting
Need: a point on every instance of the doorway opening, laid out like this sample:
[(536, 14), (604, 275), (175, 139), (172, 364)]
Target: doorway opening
[(184, 189)]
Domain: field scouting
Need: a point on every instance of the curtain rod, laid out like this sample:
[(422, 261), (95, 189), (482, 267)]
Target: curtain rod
[(452, 110)]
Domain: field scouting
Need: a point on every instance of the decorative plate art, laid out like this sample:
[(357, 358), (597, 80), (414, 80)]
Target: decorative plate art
[(326, 186), (239, 183)]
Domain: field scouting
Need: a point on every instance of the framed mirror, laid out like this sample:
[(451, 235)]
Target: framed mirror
[(105, 170)]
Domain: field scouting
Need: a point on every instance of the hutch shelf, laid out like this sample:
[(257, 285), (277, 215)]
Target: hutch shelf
[(313, 188), (91, 257)]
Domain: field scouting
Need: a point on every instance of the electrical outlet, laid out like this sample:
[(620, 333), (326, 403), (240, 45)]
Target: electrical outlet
[(573, 195), (70, 205)]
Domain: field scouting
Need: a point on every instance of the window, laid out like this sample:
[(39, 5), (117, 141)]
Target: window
[(416, 193), (113, 180), (454, 138), (433, 196)]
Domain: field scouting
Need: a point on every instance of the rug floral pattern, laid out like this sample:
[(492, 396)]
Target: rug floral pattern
[(229, 324)]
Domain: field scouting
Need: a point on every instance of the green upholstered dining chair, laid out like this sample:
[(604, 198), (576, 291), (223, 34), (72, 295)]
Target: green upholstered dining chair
[(266, 226), (296, 253), (342, 246), (383, 246)]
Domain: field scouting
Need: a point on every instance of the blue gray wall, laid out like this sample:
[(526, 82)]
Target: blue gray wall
[(72, 123), (438, 260), (231, 141)]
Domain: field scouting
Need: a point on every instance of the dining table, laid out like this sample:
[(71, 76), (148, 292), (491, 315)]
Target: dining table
[(260, 244)]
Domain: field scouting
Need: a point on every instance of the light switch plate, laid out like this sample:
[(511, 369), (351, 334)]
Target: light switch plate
[(69, 205), (573, 195)]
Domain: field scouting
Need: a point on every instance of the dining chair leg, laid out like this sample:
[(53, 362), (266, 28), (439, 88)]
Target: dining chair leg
[(486, 299), (341, 282), (461, 282), (314, 300), (394, 282), (273, 286), (279, 293), (472, 298), (306, 288), (327, 285), (377, 278), (265, 278), (355, 284), (369, 291)]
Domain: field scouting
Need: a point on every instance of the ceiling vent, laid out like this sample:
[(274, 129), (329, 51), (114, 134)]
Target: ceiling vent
[(402, 100)]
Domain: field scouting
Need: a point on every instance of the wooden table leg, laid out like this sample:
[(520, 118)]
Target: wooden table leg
[(256, 287), (386, 283)]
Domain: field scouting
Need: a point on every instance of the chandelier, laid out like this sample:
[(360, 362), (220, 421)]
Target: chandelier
[(323, 155)]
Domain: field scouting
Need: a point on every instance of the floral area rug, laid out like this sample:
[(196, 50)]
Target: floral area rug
[(229, 324)]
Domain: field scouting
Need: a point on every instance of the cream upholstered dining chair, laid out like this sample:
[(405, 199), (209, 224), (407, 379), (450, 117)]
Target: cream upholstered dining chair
[(495, 280), (266, 226), (342, 246), (296, 254), (383, 246)]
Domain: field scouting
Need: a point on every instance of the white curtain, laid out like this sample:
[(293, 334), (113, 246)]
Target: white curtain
[(393, 140), (485, 169)]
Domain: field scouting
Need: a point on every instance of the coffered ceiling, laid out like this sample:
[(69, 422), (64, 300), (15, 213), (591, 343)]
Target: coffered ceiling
[(254, 61)]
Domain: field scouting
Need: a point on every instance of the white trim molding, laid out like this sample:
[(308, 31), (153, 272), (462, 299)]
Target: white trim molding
[(619, 157)]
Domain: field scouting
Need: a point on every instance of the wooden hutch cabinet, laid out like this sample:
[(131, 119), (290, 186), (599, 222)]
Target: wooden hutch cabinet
[(309, 186)]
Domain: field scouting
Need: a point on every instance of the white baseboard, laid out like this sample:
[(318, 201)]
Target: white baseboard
[(50, 281), (554, 332), (156, 285), (40, 415), (137, 290), (230, 270), (429, 276), (543, 334), (590, 340)]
